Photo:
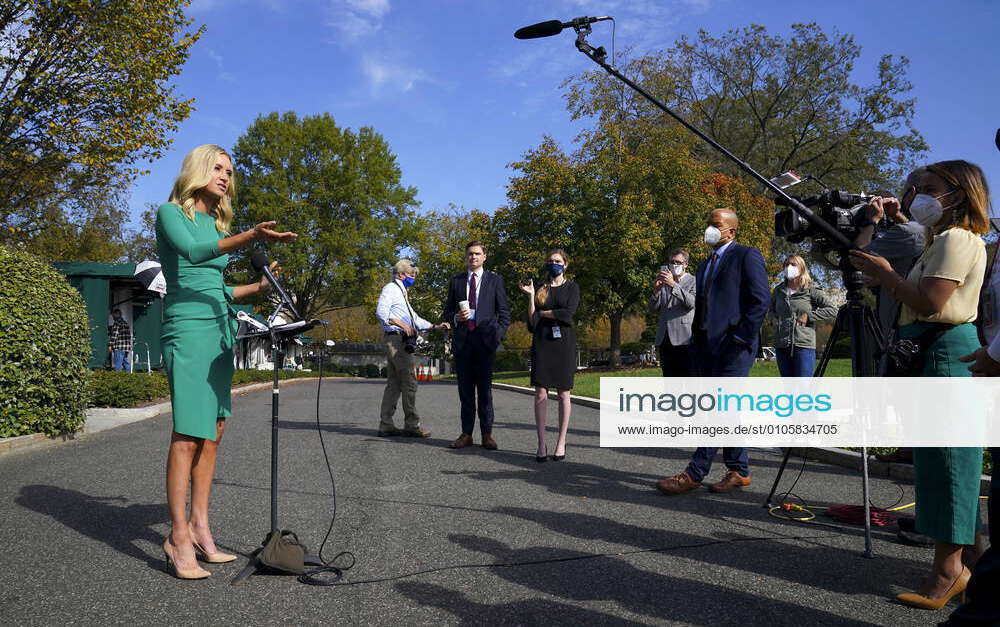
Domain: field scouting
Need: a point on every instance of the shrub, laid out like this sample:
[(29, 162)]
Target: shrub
[(507, 361), (109, 388), (44, 349), (370, 371)]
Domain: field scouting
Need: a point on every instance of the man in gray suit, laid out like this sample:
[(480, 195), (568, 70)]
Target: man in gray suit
[(674, 292)]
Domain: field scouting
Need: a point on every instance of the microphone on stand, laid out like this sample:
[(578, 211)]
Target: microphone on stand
[(262, 264), (554, 27)]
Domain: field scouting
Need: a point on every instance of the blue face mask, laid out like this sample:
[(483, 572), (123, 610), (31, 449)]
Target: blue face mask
[(408, 282), (555, 269)]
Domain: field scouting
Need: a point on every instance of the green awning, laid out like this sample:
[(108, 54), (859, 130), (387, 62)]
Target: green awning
[(94, 268)]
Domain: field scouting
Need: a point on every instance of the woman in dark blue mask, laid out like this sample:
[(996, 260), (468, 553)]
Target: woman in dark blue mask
[(553, 345)]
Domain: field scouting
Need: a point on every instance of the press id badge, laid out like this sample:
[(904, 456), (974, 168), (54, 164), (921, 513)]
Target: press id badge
[(556, 332)]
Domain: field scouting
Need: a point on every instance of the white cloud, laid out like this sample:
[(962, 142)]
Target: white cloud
[(223, 75), (382, 74), (357, 19)]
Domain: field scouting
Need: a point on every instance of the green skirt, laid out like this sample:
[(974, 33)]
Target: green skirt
[(947, 479), (198, 355)]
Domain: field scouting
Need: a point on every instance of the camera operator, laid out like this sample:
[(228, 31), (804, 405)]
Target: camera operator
[(901, 243), (401, 327), (939, 298)]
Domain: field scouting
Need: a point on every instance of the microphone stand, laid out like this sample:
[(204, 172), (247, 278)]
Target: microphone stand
[(280, 336), (860, 363)]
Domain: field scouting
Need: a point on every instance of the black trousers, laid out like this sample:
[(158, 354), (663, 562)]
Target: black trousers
[(474, 371), (675, 361)]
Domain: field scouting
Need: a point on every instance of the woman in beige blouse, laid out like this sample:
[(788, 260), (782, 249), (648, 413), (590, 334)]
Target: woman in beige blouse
[(943, 289)]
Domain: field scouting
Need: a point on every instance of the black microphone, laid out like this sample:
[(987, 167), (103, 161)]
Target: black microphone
[(262, 264), (554, 27)]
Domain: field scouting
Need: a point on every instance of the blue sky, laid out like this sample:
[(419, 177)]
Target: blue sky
[(458, 98)]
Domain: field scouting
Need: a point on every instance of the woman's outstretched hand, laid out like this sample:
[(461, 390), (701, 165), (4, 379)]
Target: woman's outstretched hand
[(264, 233)]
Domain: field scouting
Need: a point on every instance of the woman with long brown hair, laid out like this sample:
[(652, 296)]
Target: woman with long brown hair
[(553, 346)]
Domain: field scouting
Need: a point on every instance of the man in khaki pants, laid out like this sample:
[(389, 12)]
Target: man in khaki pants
[(399, 322)]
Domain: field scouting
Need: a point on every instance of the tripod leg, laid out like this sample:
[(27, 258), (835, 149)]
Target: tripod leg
[(839, 328), (864, 495), (777, 480), (251, 568)]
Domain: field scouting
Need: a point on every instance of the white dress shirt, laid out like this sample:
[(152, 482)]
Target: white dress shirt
[(392, 304)]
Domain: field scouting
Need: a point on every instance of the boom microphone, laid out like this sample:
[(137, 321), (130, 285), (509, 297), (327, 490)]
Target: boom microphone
[(262, 264), (554, 27)]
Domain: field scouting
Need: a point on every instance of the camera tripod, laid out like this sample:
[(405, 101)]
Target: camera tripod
[(857, 320)]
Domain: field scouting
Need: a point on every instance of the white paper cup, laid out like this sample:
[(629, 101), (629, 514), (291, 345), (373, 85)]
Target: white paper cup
[(463, 305)]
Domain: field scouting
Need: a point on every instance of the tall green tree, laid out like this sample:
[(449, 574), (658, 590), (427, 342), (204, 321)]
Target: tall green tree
[(631, 191), (97, 233), (339, 190), (791, 103), (85, 94)]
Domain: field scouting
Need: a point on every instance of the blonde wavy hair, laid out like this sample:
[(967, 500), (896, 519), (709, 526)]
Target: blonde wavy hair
[(800, 263), (196, 172), (543, 291)]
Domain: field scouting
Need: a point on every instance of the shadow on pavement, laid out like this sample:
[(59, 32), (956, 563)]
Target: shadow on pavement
[(533, 612), (651, 594), (764, 554), (104, 518)]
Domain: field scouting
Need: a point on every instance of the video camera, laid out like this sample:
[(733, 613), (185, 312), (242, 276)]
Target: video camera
[(842, 210)]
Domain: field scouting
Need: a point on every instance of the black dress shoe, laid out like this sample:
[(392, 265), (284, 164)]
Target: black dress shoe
[(542, 458), (559, 458), (388, 433)]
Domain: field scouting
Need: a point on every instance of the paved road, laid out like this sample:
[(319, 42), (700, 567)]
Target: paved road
[(584, 541)]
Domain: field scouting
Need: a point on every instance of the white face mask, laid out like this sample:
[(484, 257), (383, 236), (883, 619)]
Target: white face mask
[(712, 236), (792, 272), (926, 209), (677, 269)]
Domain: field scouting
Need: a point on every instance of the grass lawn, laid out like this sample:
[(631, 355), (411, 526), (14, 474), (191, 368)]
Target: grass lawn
[(589, 383)]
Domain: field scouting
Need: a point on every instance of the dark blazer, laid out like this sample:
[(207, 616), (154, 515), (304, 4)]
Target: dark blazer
[(492, 312), (739, 296)]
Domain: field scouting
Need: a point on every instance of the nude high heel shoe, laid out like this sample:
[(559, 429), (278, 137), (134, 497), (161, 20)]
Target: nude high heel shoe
[(211, 558), (182, 573), (925, 603)]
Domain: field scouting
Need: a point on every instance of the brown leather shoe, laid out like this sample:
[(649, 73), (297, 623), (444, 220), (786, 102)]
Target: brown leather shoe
[(488, 442), (462, 441), (416, 433), (678, 484), (732, 480)]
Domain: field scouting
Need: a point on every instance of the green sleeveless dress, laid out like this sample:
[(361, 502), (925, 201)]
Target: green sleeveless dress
[(198, 330)]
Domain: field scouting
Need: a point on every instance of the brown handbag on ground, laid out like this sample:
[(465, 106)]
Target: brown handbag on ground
[(283, 551)]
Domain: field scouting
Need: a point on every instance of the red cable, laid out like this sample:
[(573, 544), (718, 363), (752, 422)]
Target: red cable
[(855, 515)]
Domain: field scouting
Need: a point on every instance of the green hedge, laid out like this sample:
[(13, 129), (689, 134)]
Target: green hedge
[(44, 348), (507, 361), (108, 388)]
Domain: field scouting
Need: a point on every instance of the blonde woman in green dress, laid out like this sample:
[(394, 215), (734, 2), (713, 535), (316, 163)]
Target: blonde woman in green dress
[(192, 242)]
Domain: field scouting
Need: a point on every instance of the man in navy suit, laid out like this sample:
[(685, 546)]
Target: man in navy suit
[(479, 329), (732, 298)]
